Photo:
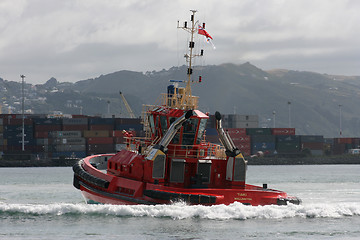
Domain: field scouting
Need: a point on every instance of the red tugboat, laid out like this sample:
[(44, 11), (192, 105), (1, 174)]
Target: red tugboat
[(174, 163)]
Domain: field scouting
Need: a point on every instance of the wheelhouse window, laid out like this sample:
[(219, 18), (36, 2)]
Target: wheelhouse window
[(152, 124), (163, 124), (201, 131), (189, 131)]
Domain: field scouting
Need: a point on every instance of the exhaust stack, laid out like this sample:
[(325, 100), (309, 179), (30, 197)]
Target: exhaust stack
[(231, 149)]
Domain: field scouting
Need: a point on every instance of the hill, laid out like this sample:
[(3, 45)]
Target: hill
[(228, 88)]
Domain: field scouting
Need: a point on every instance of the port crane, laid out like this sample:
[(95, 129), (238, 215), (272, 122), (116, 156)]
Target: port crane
[(128, 108)]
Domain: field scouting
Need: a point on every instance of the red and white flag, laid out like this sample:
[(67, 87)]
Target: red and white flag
[(202, 31)]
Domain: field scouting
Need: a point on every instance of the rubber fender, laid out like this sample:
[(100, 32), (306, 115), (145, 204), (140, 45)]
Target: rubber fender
[(79, 171), (76, 182)]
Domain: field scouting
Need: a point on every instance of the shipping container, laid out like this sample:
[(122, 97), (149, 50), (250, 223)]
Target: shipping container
[(243, 145), (47, 128), (75, 121), (101, 127), (72, 141), (101, 121), (126, 121), (266, 147), (68, 147), (263, 138), (47, 121), (100, 140), (116, 133), (119, 140), (343, 140), (242, 125), (91, 133), (311, 138), (236, 131), (42, 141), (18, 141), (287, 147), (17, 121), (283, 131), (241, 118), (240, 138), (312, 145), (65, 134), (288, 139), (258, 131), (136, 127), (41, 134), (75, 127)]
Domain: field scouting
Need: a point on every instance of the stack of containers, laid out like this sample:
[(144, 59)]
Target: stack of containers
[(314, 143), (119, 139), (288, 144), (3, 143), (240, 139), (241, 121), (67, 144), (342, 145), (43, 126), (98, 139), (261, 140), (13, 134), (129, 124)]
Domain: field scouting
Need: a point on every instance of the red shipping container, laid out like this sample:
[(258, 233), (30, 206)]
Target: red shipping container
[(18, 121), (101, 127), (242, 145), (283, 131), (116, 133), (47, 128), (343, 140), (74, 127), (236, 131), (312, 146), (100, 140), (241, 139), (41, 134), (119, 140)]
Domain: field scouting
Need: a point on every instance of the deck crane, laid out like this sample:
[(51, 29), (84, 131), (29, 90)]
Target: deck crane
[(128, 108)]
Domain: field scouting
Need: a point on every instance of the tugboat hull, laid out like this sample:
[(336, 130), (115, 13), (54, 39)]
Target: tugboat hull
[(98, 187)]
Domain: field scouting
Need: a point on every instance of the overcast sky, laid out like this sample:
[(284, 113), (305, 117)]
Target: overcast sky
[(73, 40)]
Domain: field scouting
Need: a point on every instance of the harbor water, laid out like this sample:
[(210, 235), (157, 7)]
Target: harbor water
[(41, 203)]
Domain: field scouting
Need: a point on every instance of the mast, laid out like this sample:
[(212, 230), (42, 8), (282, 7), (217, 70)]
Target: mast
[(187, 99)]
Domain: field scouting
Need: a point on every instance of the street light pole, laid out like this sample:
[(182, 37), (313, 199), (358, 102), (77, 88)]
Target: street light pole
[(22, 113), (340, 131), (289, 104), (274, 113)]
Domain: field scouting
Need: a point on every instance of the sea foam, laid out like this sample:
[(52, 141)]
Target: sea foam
[(183, 211)]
